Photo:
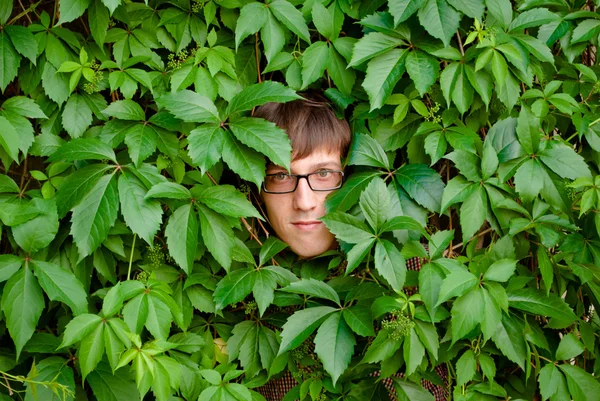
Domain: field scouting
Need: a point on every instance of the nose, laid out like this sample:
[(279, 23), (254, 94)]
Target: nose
[(304, 197)]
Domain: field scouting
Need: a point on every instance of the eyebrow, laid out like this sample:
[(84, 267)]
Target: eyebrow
[(327, 164)]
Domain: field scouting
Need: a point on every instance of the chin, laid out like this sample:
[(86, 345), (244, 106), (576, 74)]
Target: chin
[(307, 251)]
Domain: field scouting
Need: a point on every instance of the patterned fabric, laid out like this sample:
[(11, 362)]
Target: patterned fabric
[(277, 388)]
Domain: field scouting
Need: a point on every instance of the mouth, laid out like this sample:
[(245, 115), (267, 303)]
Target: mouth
[(307, 225)]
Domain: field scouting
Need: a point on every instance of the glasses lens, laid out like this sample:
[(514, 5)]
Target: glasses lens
[(280, 182), (323, 180)]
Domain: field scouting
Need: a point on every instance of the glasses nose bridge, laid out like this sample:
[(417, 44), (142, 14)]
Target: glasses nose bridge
[(305, 176)]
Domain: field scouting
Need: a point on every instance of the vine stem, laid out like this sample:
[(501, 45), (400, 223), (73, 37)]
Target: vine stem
[(131, 257), (26, 13), (460, 44), (257, 58), (484, 232)]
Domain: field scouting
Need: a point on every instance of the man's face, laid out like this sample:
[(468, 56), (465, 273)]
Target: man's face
[(295, 216)]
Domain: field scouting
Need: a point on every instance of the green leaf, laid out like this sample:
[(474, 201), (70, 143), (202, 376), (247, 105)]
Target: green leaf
[(125, 110), (9, 61), (375, 204), (569, 347), (471, 8), (217, 235), (457, 283), (23, 41), (538, 303), (413, 351), (54, 370), (467, 312), (84, 149), (366, 151), (501, 10), (527, 180), (190, 107), (314, 61), (586, 30), (565, 162), (342, 76), (38, 233), (79, 183), (91, 350), (61, 285), (430, 282), (289, 16), (234, 287), (301, 325), (271, 247), (259, 94), (383, 72), (408, 391), (401, 10), (23, 106), (9, 139), (112, 4), (345, 197), (423, 69), (549, 379), (22, 303), (465, 367), (141, 142), (473, 213), (390, 264), (227, 200), (347, 227), (265, 137), (531, 18), (143, 216), (422, 183), (501, 270), (107, 386), (168, 190), (79, 327), (246, 162), (381, 348), (6, 8), (360, 319), (182, 236), (273, 37), (313, 288), (99, 19), (334, 345), (582, 385), (71, 9), (439, 19), (205, 145), (253, 16), (528, 130), (77, 116), (9, 265), (264, 287), (371, 45), (509, 339), (94, 215)]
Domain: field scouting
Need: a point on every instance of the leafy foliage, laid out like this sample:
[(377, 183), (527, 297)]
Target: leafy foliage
[(133, 257)]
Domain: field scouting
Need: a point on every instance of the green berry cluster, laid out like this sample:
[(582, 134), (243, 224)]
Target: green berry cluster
[(321, 397), (398, 325), (156, 256), (250, 308), (433, 117), (244, 188), (175, 61), (92, 87), (301, 351), (571, 192), (197, 6), (142, 276)]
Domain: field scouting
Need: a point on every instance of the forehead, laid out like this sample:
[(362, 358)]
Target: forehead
[(320, 158)]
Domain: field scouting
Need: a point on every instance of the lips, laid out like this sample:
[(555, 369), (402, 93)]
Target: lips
[(307, 225)]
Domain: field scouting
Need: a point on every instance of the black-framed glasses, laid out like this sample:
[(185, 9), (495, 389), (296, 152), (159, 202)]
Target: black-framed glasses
[(322, 180)]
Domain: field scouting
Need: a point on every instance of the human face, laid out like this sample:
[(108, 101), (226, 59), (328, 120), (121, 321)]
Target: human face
[(295, 216)]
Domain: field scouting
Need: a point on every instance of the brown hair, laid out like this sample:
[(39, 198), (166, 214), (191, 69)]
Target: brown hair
[(310, 123)]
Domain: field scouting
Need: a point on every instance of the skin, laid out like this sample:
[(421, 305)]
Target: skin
[(295, 216)]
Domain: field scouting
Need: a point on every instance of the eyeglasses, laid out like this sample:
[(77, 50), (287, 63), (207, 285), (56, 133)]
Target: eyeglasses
[(322, 180)]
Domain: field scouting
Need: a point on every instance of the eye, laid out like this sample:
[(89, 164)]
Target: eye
[(323, 173), (281, 176)]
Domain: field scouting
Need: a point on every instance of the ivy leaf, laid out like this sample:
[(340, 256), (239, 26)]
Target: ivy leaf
[(85, 149), (107, 386), (273, 37), (509, 339), (565, 162), (23, 41), (301, 325), (53, 369), (61, 285), (205, 145), (582, 385), (422, 183), (439, 19), (125, 110), (538, 303), (22, 303), (347, 227), (383, 72), (530, 18), (246, 162), (527, 182), (569, 347), (77, 116), (457, 283), (465, 367), (259, 94), (141, 142), (549, 379), (78, 185), (182, 236), (264, 287), (342, 76), (313, 288), (253, 16), (99, 19), (217, 234), (423, 69), (501, 10), (190, 107), (227, 200), (38, 233), (334, 344), (72, 9), (413, 351), (408, 391), (143, 216), (430, 282), (234, 287), (528, 130), (471, 8), (24, 106), (9, 139), (473, 213), (91, 350), (403, 9), (372, 45), (265, 137), (390, 264), (501, 270), (366, 151), (360, 319), (345, 197), (9, 265), (314, 61), (289, 16), (94, 215), (467, 312), (9, 61), (79, 327), (375, 204)]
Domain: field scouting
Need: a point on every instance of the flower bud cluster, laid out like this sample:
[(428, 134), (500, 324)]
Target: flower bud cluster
[(398, 325)]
